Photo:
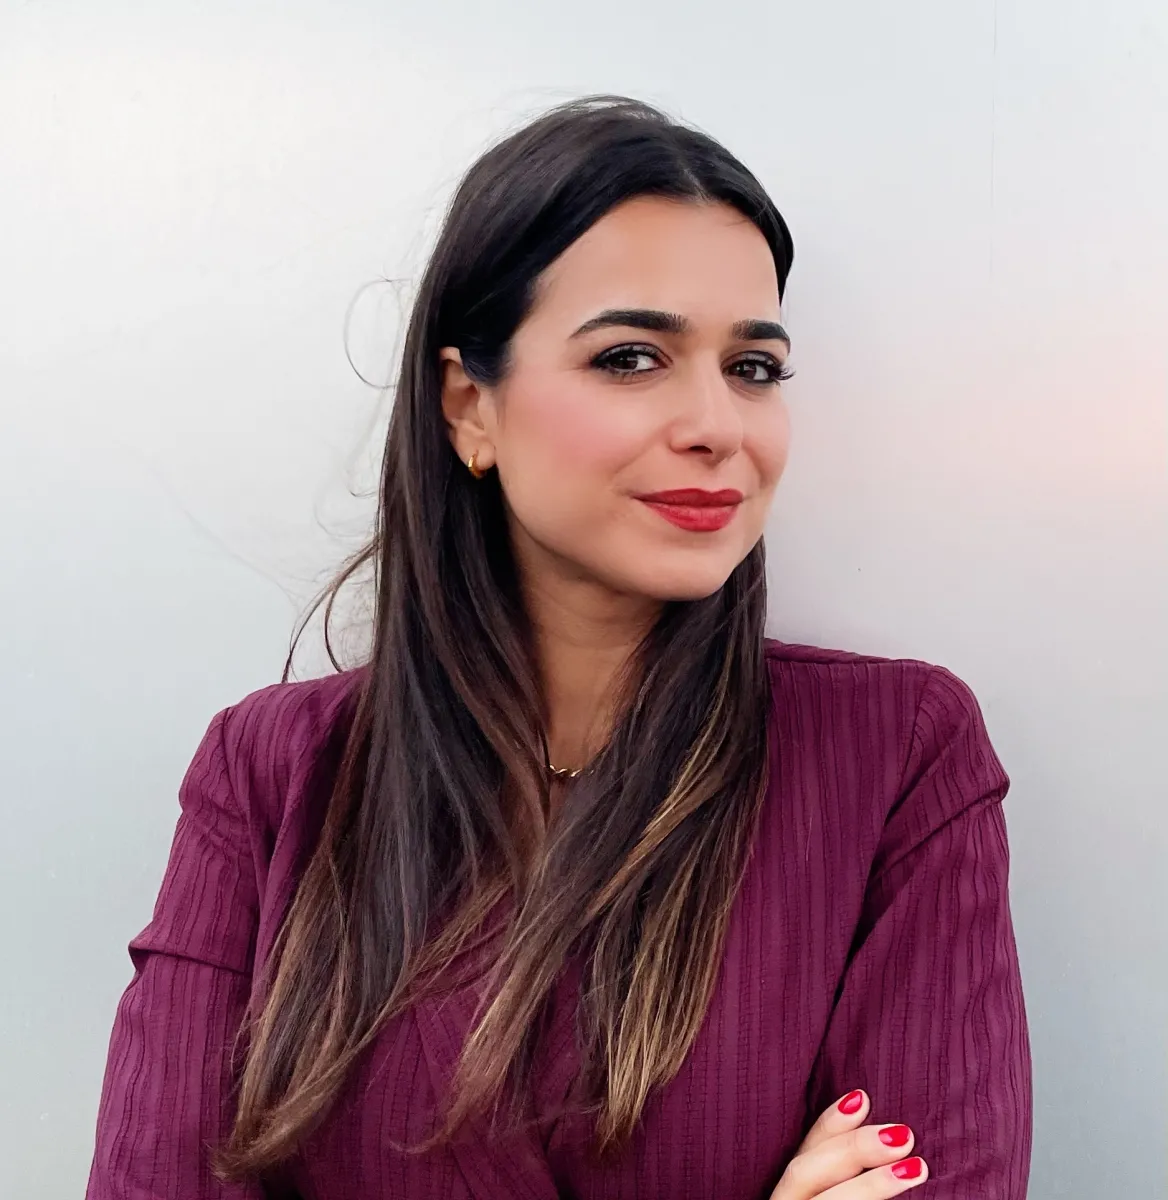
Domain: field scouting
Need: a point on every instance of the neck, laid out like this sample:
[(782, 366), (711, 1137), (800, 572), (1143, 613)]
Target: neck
[(584, 636)]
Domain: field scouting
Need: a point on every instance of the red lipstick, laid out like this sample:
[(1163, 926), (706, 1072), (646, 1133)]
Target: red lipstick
[(694, 509)]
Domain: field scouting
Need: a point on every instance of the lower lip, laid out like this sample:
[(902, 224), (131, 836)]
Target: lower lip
[(697, 519)]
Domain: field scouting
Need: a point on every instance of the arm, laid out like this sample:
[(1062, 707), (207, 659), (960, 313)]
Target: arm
[(167, 1089), (930, 1017)]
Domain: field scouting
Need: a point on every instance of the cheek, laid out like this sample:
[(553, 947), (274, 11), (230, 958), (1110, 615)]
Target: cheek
[(767, 441), (570, 431)]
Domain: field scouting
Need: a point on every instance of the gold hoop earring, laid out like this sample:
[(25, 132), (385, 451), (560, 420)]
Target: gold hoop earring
[(473, 467)]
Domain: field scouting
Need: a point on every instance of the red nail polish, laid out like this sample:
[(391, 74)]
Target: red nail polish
[(895, 1135), (909, 1169), (852, 1102)]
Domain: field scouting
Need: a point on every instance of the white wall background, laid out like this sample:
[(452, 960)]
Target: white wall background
[(191, 194)]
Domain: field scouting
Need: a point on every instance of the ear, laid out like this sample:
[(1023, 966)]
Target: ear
[(467, 408)]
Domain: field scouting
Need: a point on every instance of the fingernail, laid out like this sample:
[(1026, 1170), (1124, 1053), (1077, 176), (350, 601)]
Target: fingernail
[(852, 1102), (896, 1135), (909, 1169)]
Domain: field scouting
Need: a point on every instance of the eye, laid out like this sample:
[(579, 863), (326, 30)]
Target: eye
[(621, 361), (772, 371), (617, 360)]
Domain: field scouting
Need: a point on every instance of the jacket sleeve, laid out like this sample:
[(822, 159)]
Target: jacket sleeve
[(167, 1094), (929, 1017)]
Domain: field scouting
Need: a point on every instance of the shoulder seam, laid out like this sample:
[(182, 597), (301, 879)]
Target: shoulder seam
[(914, 732), (227, 765)]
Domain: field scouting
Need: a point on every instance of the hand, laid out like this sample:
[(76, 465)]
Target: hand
[(839, 1160)]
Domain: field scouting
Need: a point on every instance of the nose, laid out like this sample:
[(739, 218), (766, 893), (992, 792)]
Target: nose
[(708, 417)]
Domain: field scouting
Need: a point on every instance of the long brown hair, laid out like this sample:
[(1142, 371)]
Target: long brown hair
[(439, 807)]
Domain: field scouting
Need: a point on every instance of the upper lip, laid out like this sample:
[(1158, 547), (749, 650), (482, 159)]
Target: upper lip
[(695, 497)]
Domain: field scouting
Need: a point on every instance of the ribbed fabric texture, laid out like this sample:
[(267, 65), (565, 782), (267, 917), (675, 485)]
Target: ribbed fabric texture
[(871, 946)]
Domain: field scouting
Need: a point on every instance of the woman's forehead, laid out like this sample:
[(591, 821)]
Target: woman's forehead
[(706, 264)]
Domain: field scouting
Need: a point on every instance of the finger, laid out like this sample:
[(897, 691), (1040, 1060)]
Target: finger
[(839, 1159), (847, 1113), (881, 1182)]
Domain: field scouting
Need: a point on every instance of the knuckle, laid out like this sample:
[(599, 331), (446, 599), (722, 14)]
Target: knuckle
[(816, 1134), (865, 1147), (879, 1184), (797, 1176)]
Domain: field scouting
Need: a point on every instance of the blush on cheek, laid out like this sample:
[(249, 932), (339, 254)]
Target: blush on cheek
[(768, 444), (580, 429)]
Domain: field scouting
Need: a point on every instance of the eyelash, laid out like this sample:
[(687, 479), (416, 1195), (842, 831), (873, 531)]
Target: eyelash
[(779, 371)]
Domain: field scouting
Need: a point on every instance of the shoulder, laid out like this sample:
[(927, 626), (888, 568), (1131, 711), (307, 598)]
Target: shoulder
[(884, 721), (895, 747), (289, 714), (273, 740), (895, 687)]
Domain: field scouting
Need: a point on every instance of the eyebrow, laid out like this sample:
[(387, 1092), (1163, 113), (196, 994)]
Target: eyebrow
[(749, 330)]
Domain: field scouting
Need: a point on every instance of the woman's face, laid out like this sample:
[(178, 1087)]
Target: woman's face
[(639, 432)]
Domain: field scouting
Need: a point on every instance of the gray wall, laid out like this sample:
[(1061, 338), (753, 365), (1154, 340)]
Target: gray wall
[(193, 193)]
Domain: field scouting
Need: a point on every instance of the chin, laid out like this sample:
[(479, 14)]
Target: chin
[(679, 584), (665, 574)]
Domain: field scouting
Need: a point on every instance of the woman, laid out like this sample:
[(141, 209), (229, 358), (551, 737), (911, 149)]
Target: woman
[(580, 887)]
